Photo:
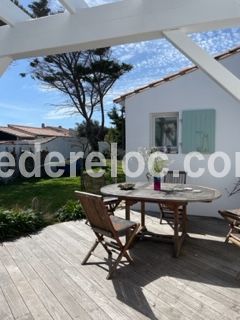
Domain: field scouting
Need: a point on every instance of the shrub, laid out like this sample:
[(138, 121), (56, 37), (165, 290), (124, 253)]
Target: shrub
[(72, 210), (18, 222)]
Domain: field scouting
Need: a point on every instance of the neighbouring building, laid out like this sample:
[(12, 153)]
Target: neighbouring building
[(187, 112), (20, 138), (17, 139)]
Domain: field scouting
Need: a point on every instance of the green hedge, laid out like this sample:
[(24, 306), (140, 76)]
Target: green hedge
[(72, 210), (18, 222)]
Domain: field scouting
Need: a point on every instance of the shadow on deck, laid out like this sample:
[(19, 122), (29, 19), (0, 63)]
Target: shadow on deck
[(45, 274)]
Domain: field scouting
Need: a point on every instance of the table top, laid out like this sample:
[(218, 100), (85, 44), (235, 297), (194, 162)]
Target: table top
[(169, 192)]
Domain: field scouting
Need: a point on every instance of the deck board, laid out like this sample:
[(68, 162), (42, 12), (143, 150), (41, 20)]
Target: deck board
[(41, 277)]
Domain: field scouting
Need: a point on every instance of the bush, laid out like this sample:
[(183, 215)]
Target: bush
[(72, 210), (18, 222)]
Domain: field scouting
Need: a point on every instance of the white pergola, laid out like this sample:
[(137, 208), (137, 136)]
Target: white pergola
[(81, 27)]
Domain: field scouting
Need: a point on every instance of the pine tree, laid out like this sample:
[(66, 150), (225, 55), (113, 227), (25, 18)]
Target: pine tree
[(118, 131), (83, 77)]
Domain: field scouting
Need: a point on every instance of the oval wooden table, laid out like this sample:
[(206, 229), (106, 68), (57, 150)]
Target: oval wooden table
[(174, 196)]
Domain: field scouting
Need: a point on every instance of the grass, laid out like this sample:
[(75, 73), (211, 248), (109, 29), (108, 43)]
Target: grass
[(52, 194), (53, 202)]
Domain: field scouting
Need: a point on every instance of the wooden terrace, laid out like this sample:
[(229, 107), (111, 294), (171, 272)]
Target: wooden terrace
[(41, 277)]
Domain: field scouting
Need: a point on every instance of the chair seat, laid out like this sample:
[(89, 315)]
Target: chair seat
[(234, 212), (121, 225), (231, 215)]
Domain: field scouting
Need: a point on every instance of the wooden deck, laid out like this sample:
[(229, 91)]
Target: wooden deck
[(41, 277)]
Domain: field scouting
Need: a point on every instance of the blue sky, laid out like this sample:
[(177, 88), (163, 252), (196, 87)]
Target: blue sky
[(25, 101)]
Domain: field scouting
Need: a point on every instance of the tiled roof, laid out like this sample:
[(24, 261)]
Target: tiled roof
[(59, 129), (16, 133), (44, 132), (173, 76)]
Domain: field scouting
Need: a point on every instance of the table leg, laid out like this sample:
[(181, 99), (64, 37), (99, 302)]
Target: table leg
[(177, 239), (127, 210), (143, 215), (184, 220), (176, 231), (128, 205)]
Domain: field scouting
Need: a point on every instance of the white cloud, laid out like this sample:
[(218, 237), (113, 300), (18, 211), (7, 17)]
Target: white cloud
[(55, 4), (60, 112), (45, 88), (92, 3), (155, 59), (15, 107)]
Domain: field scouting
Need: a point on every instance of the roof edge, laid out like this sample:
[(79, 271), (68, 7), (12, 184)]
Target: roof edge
[(175, 75)]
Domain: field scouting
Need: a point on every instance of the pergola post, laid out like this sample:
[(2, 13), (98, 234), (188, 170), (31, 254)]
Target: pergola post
[(4, 63), (11, 14)]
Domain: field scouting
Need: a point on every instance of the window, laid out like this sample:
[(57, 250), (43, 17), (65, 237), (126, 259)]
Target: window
[(165, 132)]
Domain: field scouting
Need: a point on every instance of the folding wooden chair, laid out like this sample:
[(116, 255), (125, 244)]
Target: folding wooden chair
[(180, 177), (170, 177), (233, 218), (105, 225), (233, 236)]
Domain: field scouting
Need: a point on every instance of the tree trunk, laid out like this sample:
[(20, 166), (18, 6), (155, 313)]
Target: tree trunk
[(92, 139), (101, 130)]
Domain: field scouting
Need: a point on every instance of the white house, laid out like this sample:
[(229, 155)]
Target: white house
[(186, 112), (19, 138)]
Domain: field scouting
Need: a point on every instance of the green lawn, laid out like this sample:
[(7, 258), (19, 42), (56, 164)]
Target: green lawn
[(51, 193)]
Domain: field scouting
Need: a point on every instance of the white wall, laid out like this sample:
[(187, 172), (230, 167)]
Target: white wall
[(64, 145), (192, 91)]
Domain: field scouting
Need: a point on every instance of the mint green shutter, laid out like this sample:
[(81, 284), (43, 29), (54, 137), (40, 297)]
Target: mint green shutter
[(198, 131)]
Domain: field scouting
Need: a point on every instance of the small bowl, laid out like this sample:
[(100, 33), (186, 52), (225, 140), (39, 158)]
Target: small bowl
[(126, 186)]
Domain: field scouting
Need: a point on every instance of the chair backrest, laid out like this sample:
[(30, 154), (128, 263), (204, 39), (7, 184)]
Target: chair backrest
[(95, 211), (175, 177), (93, 185)]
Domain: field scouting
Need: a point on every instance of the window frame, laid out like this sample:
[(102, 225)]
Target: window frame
[(153, 117)]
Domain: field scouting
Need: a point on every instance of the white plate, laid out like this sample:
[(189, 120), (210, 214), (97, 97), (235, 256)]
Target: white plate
[(188, 189), (178, 189), (197, 191)]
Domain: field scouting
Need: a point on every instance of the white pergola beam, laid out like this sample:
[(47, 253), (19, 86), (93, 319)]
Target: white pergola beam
[(11, 14), (4, 63), (208, 64), (73, 5), (116, 23)]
